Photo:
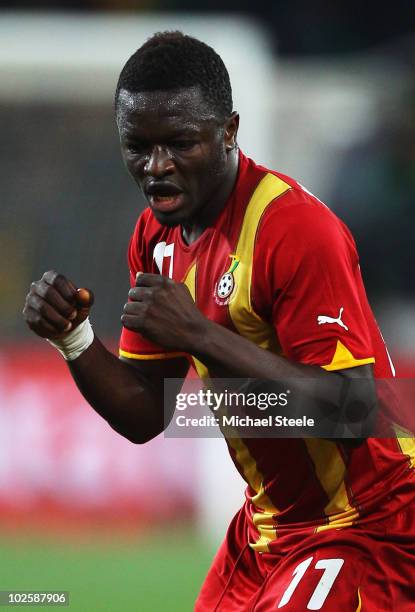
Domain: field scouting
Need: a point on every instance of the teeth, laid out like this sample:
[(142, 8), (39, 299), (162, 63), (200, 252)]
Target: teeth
[(164, 198)]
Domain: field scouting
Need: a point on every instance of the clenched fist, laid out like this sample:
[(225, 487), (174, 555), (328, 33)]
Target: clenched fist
[(54, 306), (163, 311)]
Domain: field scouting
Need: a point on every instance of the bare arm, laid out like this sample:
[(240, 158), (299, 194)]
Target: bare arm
[(349, 395), (164, 312), (128, 395)]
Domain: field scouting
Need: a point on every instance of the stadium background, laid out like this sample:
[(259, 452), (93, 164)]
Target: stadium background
[(326, 95)]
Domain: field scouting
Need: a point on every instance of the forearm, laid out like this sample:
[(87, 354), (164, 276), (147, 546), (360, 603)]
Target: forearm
[(345, 401), (164, 312), (117, 392), (228, 354), (128, 397)]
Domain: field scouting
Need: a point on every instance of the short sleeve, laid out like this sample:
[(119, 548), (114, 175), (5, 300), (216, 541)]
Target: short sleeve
[(307, 283), (132, 344)]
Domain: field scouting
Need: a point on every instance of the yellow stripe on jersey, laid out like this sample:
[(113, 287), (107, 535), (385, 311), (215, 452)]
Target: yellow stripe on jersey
[(252, 327), (330, 470), (246, 321), (328, 462), (190, 282), (264, 519), (359, 604), (152, 356), (343, 359), (407, 446)]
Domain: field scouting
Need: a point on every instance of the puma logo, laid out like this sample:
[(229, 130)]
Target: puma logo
[(321, 319)]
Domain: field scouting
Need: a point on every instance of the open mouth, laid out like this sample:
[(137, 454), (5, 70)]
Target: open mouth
[(166, 203), (164, 197)]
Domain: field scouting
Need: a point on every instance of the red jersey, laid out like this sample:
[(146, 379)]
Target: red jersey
[(279, 268)]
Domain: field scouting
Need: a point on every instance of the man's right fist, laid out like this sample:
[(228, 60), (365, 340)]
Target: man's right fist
[(54, 306)]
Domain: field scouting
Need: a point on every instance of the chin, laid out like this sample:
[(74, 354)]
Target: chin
[(169, 220)]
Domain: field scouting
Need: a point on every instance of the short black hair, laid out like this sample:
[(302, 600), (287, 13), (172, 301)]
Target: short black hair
[(173, 60)]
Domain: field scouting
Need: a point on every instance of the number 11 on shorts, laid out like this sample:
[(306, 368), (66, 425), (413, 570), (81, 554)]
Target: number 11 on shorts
[(331, 569)]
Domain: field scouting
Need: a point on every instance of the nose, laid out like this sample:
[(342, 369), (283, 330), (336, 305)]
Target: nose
[(159, 163)]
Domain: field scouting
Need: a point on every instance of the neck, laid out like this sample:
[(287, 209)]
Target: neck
[(192, 230)]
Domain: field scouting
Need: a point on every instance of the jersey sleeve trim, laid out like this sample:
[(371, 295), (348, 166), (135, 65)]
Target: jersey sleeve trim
[(151, 356), (344, 359)]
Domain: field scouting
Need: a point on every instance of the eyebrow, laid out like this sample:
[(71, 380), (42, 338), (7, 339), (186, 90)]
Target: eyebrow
[(174, 134), (186, 131)]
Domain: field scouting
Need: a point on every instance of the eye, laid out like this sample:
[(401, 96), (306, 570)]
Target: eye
[(183, 145), (138, 148)]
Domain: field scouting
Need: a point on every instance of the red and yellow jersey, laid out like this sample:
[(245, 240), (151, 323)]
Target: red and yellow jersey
[(279, 268)]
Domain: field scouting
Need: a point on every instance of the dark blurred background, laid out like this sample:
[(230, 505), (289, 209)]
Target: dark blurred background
[(297, 27), (327, 95), (61, 168)]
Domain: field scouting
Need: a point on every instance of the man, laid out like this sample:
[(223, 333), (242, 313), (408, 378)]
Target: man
[(247, 272)]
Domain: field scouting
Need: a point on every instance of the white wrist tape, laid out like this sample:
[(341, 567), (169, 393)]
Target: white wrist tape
[(76, 342)]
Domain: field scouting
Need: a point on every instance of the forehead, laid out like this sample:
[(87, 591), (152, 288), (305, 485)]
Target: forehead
[(183, 108)]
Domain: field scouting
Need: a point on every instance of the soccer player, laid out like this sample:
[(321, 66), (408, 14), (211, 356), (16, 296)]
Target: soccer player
[(243, 272)]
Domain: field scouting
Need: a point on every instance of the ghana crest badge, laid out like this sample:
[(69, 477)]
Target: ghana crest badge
[(226, 284)]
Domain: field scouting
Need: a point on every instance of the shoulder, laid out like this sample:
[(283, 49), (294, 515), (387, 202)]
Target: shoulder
[(285, 202), (299, 217)]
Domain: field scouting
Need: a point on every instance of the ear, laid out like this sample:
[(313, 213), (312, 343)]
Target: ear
[(231, 131)]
